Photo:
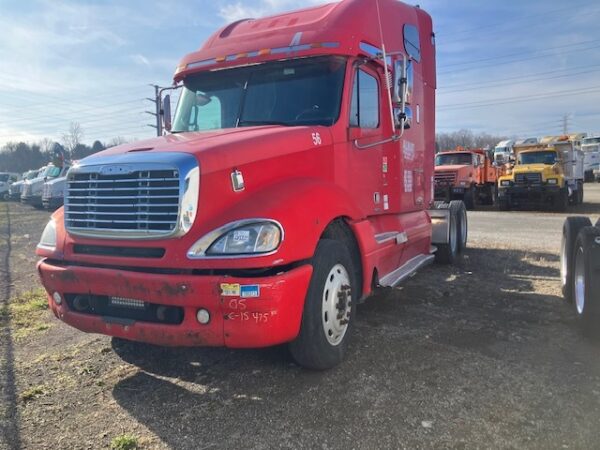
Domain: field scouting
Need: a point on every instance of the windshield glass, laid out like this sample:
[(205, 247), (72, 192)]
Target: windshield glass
[(32, 175), (454, 159), (547, 157), (4, 177), (294, 92), (51, 172), (594, 140)]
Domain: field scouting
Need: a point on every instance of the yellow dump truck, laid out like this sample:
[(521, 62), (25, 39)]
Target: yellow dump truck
[(546, 174)]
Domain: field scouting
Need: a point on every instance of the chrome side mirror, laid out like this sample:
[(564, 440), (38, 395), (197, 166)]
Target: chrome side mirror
[(402, 92), (166, 112)]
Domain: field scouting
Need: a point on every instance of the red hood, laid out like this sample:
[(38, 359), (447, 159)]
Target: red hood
[(229, 147)]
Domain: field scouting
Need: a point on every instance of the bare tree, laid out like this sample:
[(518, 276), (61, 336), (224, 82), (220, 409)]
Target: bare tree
[(73, 138), (118, 140)]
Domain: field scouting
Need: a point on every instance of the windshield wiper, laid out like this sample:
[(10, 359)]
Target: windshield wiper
[(263, 122)]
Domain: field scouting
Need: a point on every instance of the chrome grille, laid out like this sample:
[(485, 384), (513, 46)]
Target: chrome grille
[(139, 202), (445, 177), (528, 178)]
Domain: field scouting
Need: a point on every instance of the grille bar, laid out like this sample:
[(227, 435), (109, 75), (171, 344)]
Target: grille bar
[(528, 178), (150, 201)]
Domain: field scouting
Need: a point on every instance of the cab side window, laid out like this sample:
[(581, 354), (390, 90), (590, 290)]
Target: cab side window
[(364, 109)]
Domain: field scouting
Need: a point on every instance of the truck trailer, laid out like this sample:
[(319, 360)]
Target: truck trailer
[(296, 179)]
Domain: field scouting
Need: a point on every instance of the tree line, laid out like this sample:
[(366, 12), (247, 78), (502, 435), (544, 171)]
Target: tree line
[(466, 139), (22, 156)]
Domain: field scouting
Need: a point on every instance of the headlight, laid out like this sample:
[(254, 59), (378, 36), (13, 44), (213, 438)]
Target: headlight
[(48, 239), (552, 181), (463, 183), (189, 201), (505, 183), (244, 237)]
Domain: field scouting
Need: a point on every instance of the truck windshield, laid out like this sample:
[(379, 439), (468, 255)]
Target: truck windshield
[(303, 91), (548, 157), (589, 141), (4, 177), (32, 175), (51, 172), (454, 159)]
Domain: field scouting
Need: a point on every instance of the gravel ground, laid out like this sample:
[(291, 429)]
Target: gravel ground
[(483, 354)]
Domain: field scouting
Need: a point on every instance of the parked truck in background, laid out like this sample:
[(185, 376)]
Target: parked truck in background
[(294, 182), (591, 150), (53, 192), (31, 192), (547, 174), (6, 180), (14, 190), (468, 175), (503, 152)]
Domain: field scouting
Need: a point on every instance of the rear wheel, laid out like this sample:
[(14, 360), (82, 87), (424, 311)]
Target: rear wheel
[(448, 252), (329, 308), (585, 288), (458, 208), (503, 204), (571, 229)]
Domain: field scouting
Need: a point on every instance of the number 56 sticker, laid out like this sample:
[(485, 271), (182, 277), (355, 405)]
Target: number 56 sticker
[(316, 137)]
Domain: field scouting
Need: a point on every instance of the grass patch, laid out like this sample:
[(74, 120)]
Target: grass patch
[(27, 313), (124, 442), (32, 393)]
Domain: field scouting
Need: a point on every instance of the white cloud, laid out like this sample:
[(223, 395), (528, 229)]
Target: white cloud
[(232, 12), (140, 59)]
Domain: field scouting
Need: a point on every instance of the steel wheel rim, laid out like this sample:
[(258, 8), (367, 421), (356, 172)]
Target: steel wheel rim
[(563, 261), (336, 304), (579, 281)]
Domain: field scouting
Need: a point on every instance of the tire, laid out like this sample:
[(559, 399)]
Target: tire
[(458, 208), (503, 204), (469, 198), (447, 253), (493, 195), (580, 194), (586, 288), (571, 229), (323, 339)]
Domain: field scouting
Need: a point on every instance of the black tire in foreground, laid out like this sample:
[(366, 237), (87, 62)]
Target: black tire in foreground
[(561, 201), (586, 286), (469, 198), (571, 229), (329, 308), (448, 253)]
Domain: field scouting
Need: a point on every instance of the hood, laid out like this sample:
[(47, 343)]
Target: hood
[(217, 149), (531, 168), (55, 181), (454, 168)]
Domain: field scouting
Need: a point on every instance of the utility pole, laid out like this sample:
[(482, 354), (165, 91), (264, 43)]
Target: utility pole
[(157, 106)]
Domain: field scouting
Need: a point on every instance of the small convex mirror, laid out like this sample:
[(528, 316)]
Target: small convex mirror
[(166, 112)]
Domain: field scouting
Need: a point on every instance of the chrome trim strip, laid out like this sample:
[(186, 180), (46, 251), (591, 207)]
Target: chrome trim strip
[(124, 163)]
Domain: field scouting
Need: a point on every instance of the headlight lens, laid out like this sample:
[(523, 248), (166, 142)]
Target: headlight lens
[(189, 201), (552, 181), (48, 239), (505, 183), (463, 183), (249, 238)]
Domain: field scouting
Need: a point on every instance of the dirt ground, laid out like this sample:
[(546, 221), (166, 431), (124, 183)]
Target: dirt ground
[(483, 354)]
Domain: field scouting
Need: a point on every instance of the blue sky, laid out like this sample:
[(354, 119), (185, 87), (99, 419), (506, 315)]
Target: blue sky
[(504, 67)]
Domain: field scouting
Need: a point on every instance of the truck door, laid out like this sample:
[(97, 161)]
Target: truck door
[(367, 168)]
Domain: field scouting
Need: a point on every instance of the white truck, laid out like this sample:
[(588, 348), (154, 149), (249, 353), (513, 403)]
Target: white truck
[(591, 150), (14, 190), (53, 193), (6, 179), (31, 193), (503, 152)]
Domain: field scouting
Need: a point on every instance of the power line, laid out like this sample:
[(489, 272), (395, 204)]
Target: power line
[(519, 99)]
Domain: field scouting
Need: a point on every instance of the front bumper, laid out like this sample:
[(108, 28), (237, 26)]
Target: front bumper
[(33, 200), (271, 318), (448, 192), (531, 193), (52, 202)]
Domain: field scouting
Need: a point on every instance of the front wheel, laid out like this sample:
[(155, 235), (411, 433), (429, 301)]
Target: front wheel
[(329, 308)]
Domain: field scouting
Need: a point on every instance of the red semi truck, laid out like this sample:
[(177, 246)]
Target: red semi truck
[(296, 178)]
